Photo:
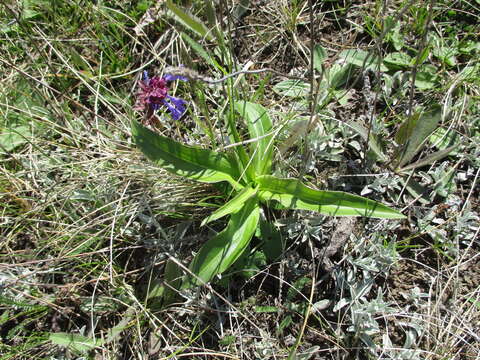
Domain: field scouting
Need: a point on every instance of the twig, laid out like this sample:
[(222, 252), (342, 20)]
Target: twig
[(193, 75)]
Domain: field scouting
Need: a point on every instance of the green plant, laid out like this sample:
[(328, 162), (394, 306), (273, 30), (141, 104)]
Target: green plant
[(246, 170), (248, 173)]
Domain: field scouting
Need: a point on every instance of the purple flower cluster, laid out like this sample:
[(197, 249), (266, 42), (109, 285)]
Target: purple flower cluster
[(153, 95)]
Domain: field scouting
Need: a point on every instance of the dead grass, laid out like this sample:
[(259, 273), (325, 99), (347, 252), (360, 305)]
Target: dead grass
[(87, 225)]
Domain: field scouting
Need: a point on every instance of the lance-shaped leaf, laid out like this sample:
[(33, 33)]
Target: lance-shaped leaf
[(232, 206), (75, 342), (292, 88), (165, 293), (259, 125), (198, 164), (363, 59), (219, 253), (370, 137), (430, 159), (292, 194), (189, 21), (413, 133)]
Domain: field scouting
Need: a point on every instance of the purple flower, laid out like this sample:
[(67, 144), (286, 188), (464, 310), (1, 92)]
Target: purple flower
[(153, 94), (176, 107), (169, 77)]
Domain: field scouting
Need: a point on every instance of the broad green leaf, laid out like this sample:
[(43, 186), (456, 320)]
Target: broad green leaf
[(407, 128), (470, 73), (172, 282), (75, 342), (240, 154), (164, 293), (232, 206), (472, 300), (292, 88), (446, 54), (297, 288), (397, 61), (198, 164), (273, 243), (425, 78), (422, 56), (83, 195), (292, 194), (319, 56), (286, 322), (249, 264), (429, 159), (338, 74), (14, 137), (415, 131), (468, 47), (362, 59), (417, 190), (219, 253), (442, 138), (392, 28), (372, 139), (259, 125), (29, 10), (189, 21)]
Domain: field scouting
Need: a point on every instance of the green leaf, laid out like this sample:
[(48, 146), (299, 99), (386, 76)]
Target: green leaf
[(259, 125), (125, 322), (14, 137), (397, 61), (372, 139), (165, 292), (202, 52), (189, 21), (292, 194), (442, 138), (286, 322), (75, 342), (338, 75), (232, 206), (319, 56), (415, 131), (393, 34), (426, 78), (219, 253), (266, 309), (472, 300), (363, 59), (227, 340), (468, 47), (297, 130), (198, 164), (292, 88), (446, 54), (273, 243), (173, 281), (249, 264), (240, 155), (429, 159), (417, 190), (470, 73)]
